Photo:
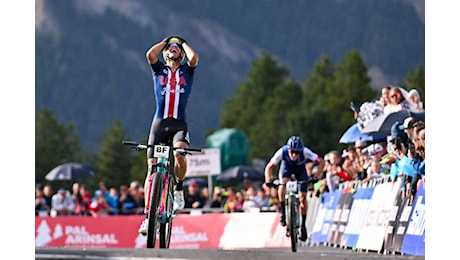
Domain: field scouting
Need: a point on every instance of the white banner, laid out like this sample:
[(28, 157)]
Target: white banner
[(205, 164)]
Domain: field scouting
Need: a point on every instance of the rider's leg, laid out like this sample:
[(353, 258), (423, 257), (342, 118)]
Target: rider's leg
[(281, 193), (144, 225), (303, 206), (180, 166), (180, 169)]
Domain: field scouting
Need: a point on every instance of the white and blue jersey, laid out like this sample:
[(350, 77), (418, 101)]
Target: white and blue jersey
[(172, 90), (289, 166)]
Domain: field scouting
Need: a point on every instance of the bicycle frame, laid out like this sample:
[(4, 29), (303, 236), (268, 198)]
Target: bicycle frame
[(161, 193), (292, 210)]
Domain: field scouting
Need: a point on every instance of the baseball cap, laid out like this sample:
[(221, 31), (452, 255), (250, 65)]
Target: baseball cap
[(61, 191), (408, 123), (360, 144)]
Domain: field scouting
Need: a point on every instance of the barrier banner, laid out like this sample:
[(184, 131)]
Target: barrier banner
[(358, 213), (324, 216), (76, 231), (348, 201), (402, 224), (393, 223), (313, 205), (201, 231), (373, 233), (414, 239), (340, 217)]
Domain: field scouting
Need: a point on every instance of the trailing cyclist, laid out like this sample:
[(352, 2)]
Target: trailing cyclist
[(172, 82), (293, 157)]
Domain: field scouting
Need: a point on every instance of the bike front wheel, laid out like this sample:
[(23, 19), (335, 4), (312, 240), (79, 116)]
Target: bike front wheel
[(166, 228), (293, 230), (155, 194)]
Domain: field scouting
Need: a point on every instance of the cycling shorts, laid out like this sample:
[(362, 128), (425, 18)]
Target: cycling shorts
[(300, 174), (167, 131)]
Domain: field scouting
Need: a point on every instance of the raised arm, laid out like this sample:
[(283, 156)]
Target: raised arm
[(152, 53), (192, 56)]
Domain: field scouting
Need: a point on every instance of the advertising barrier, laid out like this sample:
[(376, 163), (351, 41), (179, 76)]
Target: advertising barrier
[(364, 218)]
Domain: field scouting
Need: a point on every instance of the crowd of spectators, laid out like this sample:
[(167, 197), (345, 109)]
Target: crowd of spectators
[(400, 156)]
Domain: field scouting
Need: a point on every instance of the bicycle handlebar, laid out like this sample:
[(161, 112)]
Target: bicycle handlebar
[(139, 146)]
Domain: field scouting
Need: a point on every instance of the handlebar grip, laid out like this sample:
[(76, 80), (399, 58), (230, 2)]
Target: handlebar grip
[(191, 149), (129, 143)]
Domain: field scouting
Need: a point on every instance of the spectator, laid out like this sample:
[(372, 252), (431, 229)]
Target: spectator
[(359, 146), (350, 164), (48, 194), (41, 206), (138, 195), (62, 203), (230, 201), (76, 196), (385, 97), (126, 203), (99, 206), (205, 197), (397, 101), (375, 171), (332, 170), (103, 191), (414, 100), (112, 201), (193, 198), (239, 201), (249, 195), (84, 209), (262, 200), (217, 198)]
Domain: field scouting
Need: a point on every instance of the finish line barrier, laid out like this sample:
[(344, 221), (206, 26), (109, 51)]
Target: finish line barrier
[(357, 216)]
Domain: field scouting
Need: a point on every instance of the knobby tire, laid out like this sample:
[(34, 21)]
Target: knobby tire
[(166, 228), (155, 193), (293, 231)]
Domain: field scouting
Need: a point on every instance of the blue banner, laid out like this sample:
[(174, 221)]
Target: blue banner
[(414, 239), (358, 212), (324, 217)]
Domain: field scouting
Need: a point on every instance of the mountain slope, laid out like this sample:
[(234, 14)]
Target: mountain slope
[(90, 55)]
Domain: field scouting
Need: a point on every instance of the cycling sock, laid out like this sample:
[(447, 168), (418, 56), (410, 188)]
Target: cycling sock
[(304, 219), (282, 207), (179, 185)]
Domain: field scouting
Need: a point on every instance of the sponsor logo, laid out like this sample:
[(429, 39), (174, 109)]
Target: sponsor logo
[(73, 235)]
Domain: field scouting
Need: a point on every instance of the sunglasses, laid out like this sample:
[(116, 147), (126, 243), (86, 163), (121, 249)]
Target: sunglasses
[(295, 152)]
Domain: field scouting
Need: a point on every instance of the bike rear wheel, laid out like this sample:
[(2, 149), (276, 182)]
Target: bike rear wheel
[(155, 194), (166, 228), (293, 230)]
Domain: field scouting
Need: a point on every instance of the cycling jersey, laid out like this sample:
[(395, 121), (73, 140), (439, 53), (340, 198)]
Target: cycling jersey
[(172, 89), (289, 166)]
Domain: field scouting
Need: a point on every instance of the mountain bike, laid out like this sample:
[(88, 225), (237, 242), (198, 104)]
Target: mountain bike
[(292, 209), (161, 194)]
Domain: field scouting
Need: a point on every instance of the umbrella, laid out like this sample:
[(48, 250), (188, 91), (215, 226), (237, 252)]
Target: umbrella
[(353, 134), (381, 125), (70, 171), (238, 174), (201, 182)]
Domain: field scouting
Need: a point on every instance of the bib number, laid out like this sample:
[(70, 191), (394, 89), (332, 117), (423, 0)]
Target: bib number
[(161, 151), (291, 186)]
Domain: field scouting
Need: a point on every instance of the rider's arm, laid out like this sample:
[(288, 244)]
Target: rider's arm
[(277, 157), (192, 56), (152, 53)]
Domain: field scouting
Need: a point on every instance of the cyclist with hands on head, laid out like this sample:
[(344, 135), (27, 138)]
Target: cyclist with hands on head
[(293, 157), (172, 82)]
